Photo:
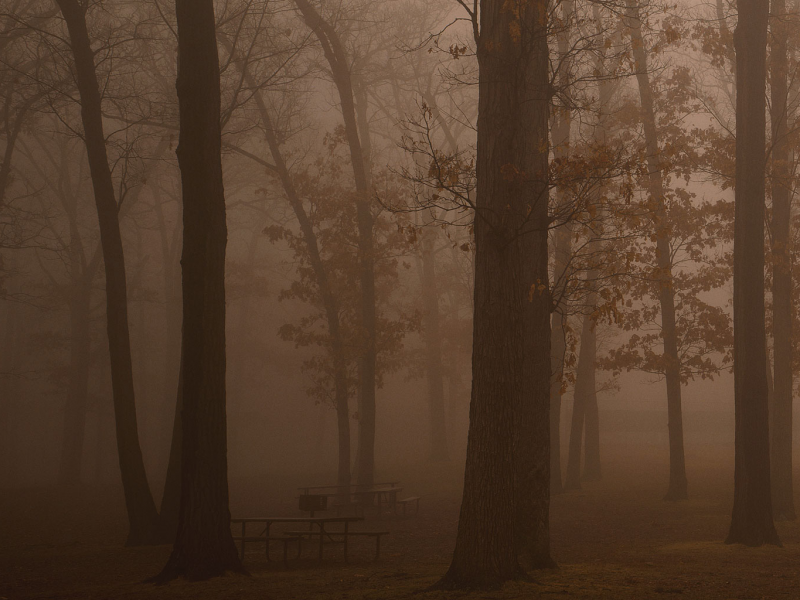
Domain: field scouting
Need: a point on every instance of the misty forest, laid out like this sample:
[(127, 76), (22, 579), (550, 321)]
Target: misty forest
[(383, 299)]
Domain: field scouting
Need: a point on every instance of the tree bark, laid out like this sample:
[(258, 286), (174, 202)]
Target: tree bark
[(203, 545), (142, 514), (338, 61), (533, 420), (781, 450), (677, 489), (751, 520), (505, 504)]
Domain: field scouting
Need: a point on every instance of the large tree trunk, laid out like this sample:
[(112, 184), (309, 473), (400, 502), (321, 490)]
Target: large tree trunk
[(781, 451), (338, 61), (751, 521), (504, 510), (203, 545), (677, 489), (433, 345), (142, 514), (532, 427)]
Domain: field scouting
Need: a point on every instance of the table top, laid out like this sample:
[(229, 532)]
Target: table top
[(382, 484), (377, 491), (372, 490), (297, 520)]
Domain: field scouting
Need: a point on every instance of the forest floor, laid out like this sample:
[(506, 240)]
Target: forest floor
[(614, 539)]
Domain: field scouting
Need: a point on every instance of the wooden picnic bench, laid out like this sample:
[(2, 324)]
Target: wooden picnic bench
[(332, 490), (345, 497), (332, 537), (319, 522), (285, 539), (404, 502)]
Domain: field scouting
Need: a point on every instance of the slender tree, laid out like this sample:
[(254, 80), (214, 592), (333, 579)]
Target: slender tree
[(751, 521), (329, 300), (585, 389), (358, 145), (560, 133), (142, 514), (433, 349), (203, 546), (677, 489)]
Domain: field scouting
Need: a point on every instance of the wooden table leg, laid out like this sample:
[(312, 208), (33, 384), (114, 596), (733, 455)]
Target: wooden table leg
[(244, 529)]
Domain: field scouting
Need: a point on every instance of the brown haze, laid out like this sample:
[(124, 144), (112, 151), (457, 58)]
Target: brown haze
[(528, 261)]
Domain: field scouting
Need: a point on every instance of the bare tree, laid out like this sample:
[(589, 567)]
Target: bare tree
[(677, 489), (142, 513), (337, 58)]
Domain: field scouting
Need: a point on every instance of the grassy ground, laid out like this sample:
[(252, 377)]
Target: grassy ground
[(613, 539)]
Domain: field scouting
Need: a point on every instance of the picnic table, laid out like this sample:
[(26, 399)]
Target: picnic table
[(318, 528), (332, 490), (379, 494)]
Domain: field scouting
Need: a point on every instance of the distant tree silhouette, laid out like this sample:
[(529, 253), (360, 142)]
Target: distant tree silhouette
[(781, 422), (358, 143)]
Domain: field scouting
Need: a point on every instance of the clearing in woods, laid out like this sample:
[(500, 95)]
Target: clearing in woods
[(613, 539)]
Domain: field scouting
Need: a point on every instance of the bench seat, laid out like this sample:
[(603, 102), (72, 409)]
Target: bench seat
[(285, 539), (332, 537), (404, 502)]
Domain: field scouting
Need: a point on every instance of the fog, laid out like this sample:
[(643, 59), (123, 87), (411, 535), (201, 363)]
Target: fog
[(504, 285)]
